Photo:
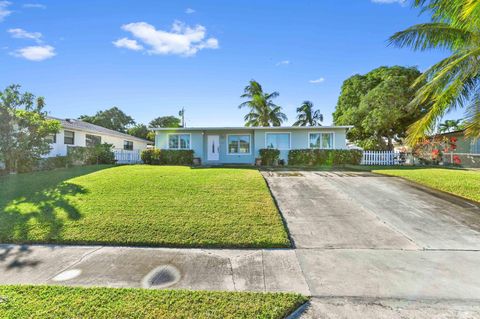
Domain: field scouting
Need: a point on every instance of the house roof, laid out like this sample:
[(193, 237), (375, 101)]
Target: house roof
[(247, 128), (79, 125)]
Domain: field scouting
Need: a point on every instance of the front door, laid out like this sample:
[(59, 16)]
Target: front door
[(213, 145)]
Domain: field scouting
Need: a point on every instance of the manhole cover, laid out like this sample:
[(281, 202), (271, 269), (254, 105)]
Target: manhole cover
[(161, 277)]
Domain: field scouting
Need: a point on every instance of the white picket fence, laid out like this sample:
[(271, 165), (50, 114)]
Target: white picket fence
[(380, 158), (127, 157)]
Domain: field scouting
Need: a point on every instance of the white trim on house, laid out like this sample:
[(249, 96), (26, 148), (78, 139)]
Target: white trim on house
[(246, 128), (281, 132), (249, 144), (321, 138), (179, 133)]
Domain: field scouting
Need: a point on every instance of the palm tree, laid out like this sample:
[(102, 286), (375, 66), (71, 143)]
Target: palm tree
[(263, 112), (308, 116), (449, 126), (454, 81)]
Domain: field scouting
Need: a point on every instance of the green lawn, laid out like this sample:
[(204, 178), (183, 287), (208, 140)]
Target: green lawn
[(141, 205), (459, 182), (71, 302)]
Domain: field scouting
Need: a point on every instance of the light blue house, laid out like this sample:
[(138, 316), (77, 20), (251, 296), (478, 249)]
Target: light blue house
[(241, 145)]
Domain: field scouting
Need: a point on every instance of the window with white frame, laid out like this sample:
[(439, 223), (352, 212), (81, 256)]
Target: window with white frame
[(279, 141), (68, 137), (128, 145), (179, 141), (320, 140), (238, 144)]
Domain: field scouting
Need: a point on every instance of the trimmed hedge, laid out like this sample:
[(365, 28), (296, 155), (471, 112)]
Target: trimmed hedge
[(167, 157), (269, 156), (316, 157), (98, 154)]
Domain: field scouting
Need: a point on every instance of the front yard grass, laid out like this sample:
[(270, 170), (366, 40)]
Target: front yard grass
[(463, 183), (141, 205), (75, 302)]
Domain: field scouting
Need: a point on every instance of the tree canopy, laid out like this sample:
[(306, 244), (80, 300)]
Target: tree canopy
[(263, 112), (454, 81), (307, 116), (165, 121), (378, 105), (113, 118), (24, 128), (141, 131)]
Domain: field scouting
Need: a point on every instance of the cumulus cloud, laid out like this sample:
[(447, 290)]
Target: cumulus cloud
[(319, 80), (128, 44), (34, 6), (35, 53), (189, 11), (180, 40), (22, 34), (284, 62), (4, 12), (402, 2)]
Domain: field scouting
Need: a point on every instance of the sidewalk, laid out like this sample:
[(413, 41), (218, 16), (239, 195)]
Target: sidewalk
[(197, 269)]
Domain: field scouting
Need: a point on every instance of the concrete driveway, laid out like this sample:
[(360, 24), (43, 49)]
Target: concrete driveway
[(375, 246)]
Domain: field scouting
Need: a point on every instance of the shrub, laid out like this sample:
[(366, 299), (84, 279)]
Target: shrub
[(167, 157), (54, 162), (269, 156), (316, 157), (98, 154)]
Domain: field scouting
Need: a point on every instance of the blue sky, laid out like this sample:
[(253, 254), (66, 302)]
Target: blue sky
[(150, 58)]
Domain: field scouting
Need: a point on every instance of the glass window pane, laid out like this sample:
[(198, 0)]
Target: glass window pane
[(173, 141), (128, 145), (279, 141), (184, 141), (244, 144), (92, 140), (69, 137), (233, 144), (327, 140), (315, 140)]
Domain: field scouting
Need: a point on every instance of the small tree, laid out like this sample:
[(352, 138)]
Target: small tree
[(24, 128), (113, 118), (165, 121)]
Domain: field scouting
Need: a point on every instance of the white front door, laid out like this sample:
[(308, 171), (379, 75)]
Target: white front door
[(213, 145)]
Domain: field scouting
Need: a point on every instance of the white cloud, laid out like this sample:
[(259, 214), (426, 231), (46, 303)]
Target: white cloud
[(189, 11), (35, 53), (34, 6), (4, 12), (22, 34), (319, 80), (402, 2), (180, 40), (128, 44), (284, 62)]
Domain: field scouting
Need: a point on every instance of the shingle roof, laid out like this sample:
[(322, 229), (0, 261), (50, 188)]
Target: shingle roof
[(79, 125)]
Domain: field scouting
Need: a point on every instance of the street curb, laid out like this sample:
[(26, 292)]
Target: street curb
[(300, 310)]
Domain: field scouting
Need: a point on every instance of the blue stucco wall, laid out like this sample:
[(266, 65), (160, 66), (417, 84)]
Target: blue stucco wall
[(298, 140)]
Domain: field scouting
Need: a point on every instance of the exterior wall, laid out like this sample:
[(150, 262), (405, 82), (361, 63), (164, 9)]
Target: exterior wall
[(298, 140), (60, 149)]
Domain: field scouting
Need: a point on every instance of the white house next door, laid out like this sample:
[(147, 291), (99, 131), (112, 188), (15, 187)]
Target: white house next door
[(213, 147)]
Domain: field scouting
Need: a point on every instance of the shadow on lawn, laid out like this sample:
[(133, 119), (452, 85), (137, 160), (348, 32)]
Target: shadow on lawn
[(34, 206)]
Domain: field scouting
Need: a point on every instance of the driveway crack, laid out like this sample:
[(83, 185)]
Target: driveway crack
[(76, 262)]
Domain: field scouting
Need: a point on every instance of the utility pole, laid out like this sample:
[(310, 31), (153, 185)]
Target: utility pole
[(182, 114)]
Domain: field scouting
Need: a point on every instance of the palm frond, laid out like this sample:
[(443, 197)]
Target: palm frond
[(472, 128), (427, 36)]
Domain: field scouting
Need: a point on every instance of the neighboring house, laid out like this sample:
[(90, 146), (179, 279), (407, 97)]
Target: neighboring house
[(241, 145), (78, 133), (464, 144)]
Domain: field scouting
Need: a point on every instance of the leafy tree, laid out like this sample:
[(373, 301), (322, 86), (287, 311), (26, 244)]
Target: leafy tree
[(454, 81), (113, 118), (307, 116), (24, 128), (263, 112), (377, 105), (450, 126), (141, 131), (165, 121)]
